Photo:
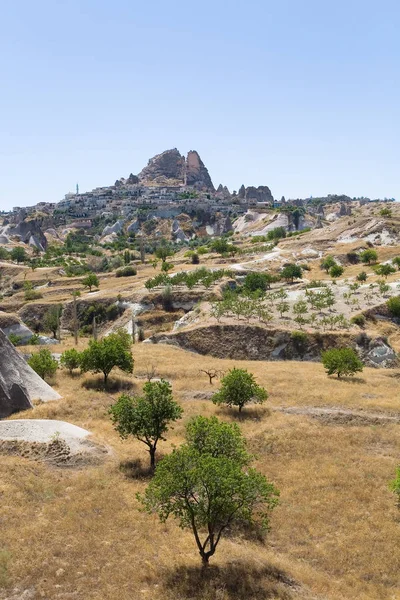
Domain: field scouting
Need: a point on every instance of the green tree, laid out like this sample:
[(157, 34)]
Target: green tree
[(341, 361), (300, 309), (394, 486), (18, 254), (71, 359), (385, 270), (51, 319), (368, 256), (393, 305), (91, 280), (291, 272), (147, 417), (327, 263), (336, 271), (207, 485), (164, 251), (4, 254), (238, 388), (396, 261), (362, 276), (102, 356), (43, 363)]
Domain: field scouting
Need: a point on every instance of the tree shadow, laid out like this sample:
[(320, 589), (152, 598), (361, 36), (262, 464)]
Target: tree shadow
[(113, 385), (349, 379), (235, 581), (135, 469), (248, 413)]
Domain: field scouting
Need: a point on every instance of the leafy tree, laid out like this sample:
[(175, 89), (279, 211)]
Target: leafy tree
[(207, 485), (342, 361), (238, 389), (396, 261), (102, 356), (257, 281), (147, 417), (393, 305), (18, 254), (368, 256), (43, 363), (71, 359), (394, 486), (283, 307), (362, 276), (164, 251), (327, 263), (4, 254), (336, 271), (300, 309), (291, 272), (51, 319), (385, 270), (91, 280)]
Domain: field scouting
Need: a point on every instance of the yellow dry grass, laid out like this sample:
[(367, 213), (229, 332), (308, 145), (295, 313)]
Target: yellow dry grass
[(80, 534)]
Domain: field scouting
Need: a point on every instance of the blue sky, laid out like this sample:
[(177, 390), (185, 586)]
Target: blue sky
[(302, 96)]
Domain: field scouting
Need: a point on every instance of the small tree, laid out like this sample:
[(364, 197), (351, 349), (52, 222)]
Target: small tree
[(394, 486), (51, 319), (291, 272), (102, 356), (71, 359), (43, 363), (393, 305), (327, 263), (164, 251), (362, 276), (385, 270), (342, 361), (91, 280), (212, 373), (208, 486), (336, 271), (238, 389), (368, 256), (146, 418), (396, 261), (300, 309), (18, 254)]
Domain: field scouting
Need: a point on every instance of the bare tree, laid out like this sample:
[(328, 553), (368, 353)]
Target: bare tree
[(151, 372), (212, 374)]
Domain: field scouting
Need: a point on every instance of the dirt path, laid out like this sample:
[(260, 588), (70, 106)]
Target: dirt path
[(341, 416)]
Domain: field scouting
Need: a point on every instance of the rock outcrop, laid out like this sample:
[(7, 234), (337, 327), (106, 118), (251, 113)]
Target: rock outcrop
[(197, 174), (260, 194), (29, 232), (19, 384), (168, 165)]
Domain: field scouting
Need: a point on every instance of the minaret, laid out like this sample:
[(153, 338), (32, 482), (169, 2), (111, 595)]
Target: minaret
[(77, 189)]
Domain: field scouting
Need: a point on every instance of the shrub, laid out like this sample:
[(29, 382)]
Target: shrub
[(394, 486), (71, 359), (353, 258), (300, 340), (32, 295), (43, 363), (18, 254), (127, 271), (166, 298), (342, 361), (336, 271), (396, 261), (358, 320), (195, 258), (362, 276), (393, 305), (15, 339)]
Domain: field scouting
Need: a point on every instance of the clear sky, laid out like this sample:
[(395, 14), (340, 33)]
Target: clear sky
[(299, 95)]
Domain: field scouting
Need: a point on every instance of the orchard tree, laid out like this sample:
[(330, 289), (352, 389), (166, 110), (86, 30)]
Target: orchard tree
[(51, 319), (368, 256), (385, 270), (341, 361), (146, 417), (91, 280), (238, 388), (71, 359), (328, 262), (164, 251), (208, 485), (336, 271), (291, 272), (43, 363), (18, 254), (112, 351)]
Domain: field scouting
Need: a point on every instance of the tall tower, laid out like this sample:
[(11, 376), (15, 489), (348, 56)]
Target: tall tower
[(77, 189)]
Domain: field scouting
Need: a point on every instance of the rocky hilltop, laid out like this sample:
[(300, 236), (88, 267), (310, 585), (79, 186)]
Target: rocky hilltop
[(171, 167)]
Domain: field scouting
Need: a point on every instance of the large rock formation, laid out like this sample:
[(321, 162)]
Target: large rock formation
[(197, 174), (260, 194), (168, 165), (171, 168), (19, 384), (30, 233)]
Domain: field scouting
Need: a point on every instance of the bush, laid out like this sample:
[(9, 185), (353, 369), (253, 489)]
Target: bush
[(336, 271), (195, 259), (127, 271), (358, 320), (341, 361), (353, 258), (15, 339), (32, 295), (299, 339), (362, 276), (43, 363), (71, 359), (166, 298), (393, 305)]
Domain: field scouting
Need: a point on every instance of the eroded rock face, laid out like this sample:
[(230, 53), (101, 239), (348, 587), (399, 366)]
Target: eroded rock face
[(30, 231), (260, 194), (197, 174), (167, 165)]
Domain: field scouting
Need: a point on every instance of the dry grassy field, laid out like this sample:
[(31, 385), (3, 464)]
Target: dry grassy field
[(80, 534)]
